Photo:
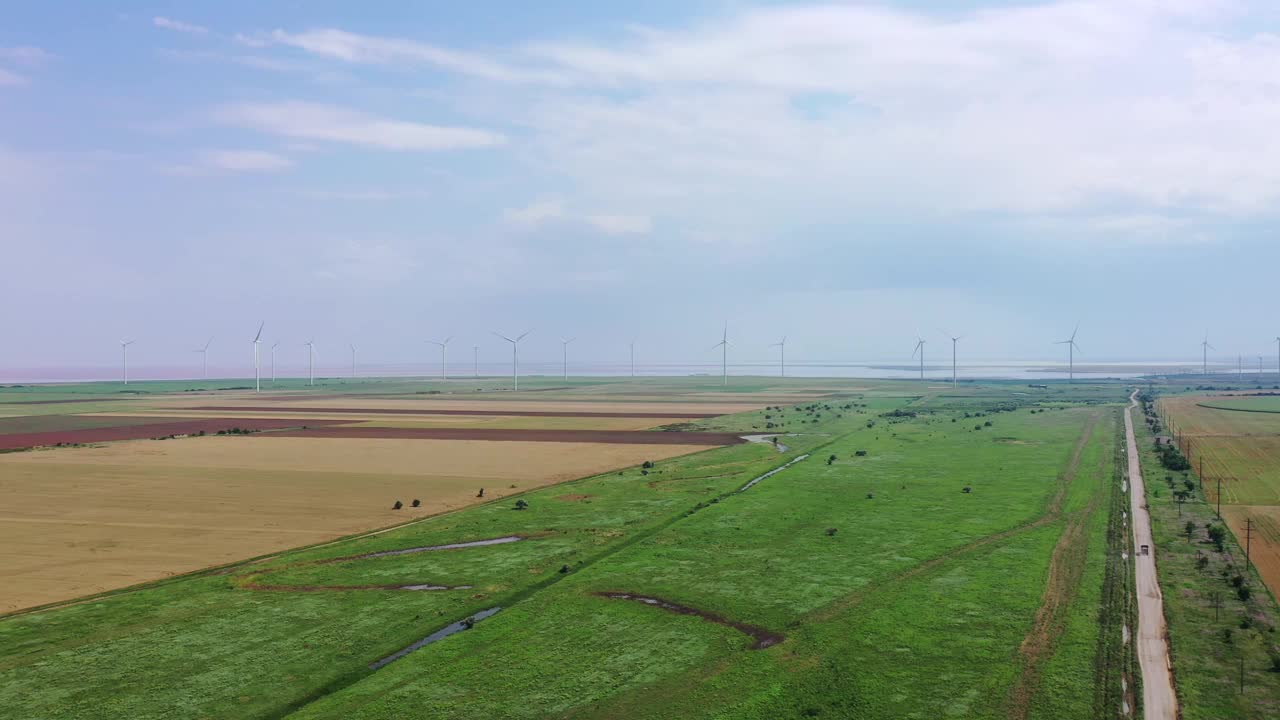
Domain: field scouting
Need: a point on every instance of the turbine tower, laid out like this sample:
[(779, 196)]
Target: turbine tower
[(1278, 353), (782, 356), (633, 357), (724, 355), (353, 361), (954, 339), (124, 359), (515, 357), (1072, 347), (564, 345), (273, 362), (475, 360), (444, 356), (919, 349), (257, 359), (311, 362), (1205, 347), (204, 359)]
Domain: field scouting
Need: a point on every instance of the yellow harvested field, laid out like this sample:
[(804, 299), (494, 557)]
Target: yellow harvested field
[(83, 520), (497, 407), (401, 420)]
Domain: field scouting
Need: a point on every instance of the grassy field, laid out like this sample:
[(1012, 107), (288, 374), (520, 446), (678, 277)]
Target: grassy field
[(893, 590), (1211, 630)]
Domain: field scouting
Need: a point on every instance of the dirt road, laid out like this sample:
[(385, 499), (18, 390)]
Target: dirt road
[(1158, 699)]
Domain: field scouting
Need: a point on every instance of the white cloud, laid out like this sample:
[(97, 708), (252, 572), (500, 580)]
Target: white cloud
[(354, 48), (534, 214), (11, 78), (312, 121), (244, 160), (178, 26), (620, 224), (547, 211), (25, 55), (766, 114)]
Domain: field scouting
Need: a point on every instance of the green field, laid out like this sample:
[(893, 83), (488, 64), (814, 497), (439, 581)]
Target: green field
[(925, 601)]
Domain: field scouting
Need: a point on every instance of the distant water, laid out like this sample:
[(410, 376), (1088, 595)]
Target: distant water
[(1003, 370)]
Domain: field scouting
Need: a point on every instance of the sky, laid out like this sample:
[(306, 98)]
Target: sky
[(846, 175)]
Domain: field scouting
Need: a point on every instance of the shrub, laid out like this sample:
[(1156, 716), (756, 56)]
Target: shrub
[(831, 532), (1218, 535), (397, 506), (1226, 635), (1242, 592), (521, 505), (860, 453)]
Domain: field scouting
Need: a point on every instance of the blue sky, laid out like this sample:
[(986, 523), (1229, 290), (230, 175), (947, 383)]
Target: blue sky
[(843, 174)]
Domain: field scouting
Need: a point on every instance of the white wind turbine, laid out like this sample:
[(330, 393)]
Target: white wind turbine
[(954, 339), (633, 357), (1071, 353), (724, 355), (1278, 353), (257, 359), (475, 360), (124, 359), (353, 361), (515, 357), (919, 349), (1205, 347), (273, 362), (444, 356), (564, 346), (311, 362), (204, 359), (782, 356)]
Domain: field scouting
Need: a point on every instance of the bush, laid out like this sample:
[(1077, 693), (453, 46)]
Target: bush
[(1218, 535), (1242, 592), (416, 503), (397, 506), (1226, 635), (831, 532), (521, 505)]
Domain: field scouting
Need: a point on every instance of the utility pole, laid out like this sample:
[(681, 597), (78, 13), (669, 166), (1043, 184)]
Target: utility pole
[(1248, 541), (1215, 598), (1241, 673)]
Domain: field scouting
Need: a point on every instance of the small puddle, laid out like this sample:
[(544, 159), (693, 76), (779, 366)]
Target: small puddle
[(774, 471), (763, 638), (431, 548), (766, 440), (442, 633)]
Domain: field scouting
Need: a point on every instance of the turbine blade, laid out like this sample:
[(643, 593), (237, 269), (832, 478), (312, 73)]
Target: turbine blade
[(504, 337)]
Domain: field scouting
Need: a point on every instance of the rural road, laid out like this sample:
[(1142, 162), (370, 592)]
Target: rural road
[(1158, 699)]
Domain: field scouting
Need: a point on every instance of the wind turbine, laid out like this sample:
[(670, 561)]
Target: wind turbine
[(1278, 353), (515, 357), (1240, 366), (1259, 364), (633, 357), (1205, 347), (257, 359), (919, 349), (782, 356), (564, 345), (724, 355), (204, 359), (311, 364), (475, 359), (1072, 347), (954, 339), (273, 362), (353, 361), (124, 359), (444, 356)]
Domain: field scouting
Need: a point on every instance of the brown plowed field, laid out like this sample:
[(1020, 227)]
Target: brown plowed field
[(149, 430), (442, 411), (624, 437)]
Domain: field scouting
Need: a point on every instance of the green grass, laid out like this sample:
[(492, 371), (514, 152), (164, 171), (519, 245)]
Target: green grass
[(916, 607)]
